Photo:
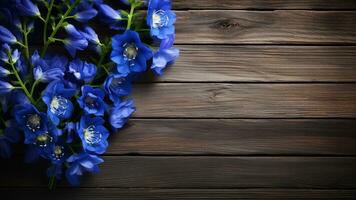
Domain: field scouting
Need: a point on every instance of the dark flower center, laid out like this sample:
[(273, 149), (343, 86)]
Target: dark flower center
[(130, 51), (33, 122), (58, 152), (42, 140), (90, 101), (116, 82)]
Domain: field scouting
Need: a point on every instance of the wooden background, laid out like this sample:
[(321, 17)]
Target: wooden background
[(260, 105)]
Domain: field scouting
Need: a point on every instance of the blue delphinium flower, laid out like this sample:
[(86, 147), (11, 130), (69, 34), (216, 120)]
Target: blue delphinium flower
[(121, 112), (57, 99), (110, 16), (80, 163), (160, 18), (6, 51), (5, 87), (86, 15), (117, 86), (38, 130), (92, 38), (75, 41), (129, 53), (48, 69), (6, 36), (165, 55), (80, 72), (92, 100), (27, 8), (4, 72), (93, 134)]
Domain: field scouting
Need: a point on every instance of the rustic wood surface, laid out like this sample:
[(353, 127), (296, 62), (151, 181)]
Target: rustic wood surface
[(260, 105)]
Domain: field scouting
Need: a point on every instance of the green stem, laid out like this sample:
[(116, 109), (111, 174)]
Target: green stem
[(34, 86), (46, 22), (130, 16), (25, 35), (58, 26), (23, 87)]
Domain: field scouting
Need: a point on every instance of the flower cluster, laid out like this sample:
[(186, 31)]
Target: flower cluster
[(63, 105)]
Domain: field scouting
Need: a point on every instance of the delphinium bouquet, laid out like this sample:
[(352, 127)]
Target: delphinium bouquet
[(64, 104)]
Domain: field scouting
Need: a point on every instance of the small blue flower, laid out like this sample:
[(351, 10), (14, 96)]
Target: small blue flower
[(92, 38), (160, 18), (129, 53), (92, 101), (75, 41), (164, 56), (27, 8), (35, 126), (6, 36), (80, 163), (93, 134), (81, 71), (49, 68), (110, 16), (117, 86), (6, 51), (85, 15), (57, 99), (121, 113), (5, 87), (4, 72)]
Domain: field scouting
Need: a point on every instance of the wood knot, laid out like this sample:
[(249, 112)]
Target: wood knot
[(226, 24)]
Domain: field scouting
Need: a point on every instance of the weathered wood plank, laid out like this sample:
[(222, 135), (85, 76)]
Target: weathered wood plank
[(216, 100), (247, 63), (174, 194), (263, 4), (235, 137), (203, 172), (266, 27)]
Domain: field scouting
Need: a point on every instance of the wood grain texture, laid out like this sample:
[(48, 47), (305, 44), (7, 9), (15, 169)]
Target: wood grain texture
[(266, 27), (264, 4), (249, 63), (217, 100), (174, 194), (235, 137), (203, 172)]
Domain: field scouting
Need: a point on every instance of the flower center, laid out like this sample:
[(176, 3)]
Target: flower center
[(90, 101), (42, 140), (33, 122), (58, 152), (116, 82), (159, 19), (130, 51), (92, 136), (59, 105)]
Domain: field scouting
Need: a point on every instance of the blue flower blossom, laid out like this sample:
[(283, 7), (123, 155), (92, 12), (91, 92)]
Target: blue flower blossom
[(27, 8), (80, 163), (5, 87), (160, 18), (81, 71), (6, 36), (93, 134), (117, 86), (75, 41), (48, 69), (57, 98), (164, 56), (92, 101), (129, 53), (37, 129), (6, 51), (121, 112), (92, 38), (110, 16), (4, 72), (85, 15)]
